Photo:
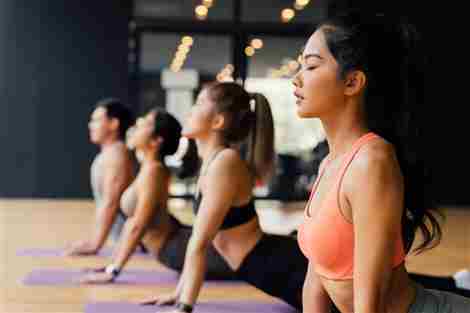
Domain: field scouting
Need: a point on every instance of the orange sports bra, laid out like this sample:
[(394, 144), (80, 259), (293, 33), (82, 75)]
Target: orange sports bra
[(326, 238)]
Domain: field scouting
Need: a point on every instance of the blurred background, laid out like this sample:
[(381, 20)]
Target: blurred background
[(57, 58)]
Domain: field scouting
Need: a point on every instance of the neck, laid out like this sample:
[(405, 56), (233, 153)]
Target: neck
[(148, 156), (208, 146), (109, 142), (342, 129)]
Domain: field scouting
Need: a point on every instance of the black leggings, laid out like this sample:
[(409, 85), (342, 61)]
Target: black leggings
[(173, 252), (276, 266)]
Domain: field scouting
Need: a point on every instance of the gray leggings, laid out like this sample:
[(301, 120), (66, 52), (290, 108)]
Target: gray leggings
[(435, 301)]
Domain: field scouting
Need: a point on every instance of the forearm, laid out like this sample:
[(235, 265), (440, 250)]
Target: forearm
[(194, 274), (130, 237), (103, 224), (370, 299), (180, 285), (315, 299)]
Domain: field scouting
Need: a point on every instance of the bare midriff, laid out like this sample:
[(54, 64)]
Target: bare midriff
[(235, 243), (399, 297)]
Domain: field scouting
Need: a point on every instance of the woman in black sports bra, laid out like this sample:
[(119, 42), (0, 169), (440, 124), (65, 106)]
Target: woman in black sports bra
[(225, 116)]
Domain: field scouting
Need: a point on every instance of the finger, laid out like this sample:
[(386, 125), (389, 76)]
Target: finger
[(69, 252), (84, 280), (149, 302), (165, 302), (94, 270)]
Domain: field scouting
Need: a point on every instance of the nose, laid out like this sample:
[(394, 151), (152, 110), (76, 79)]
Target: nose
[(297, 81), (130, 131)]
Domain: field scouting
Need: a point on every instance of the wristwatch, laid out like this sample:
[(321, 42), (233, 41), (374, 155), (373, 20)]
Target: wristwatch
[(112, 270), (183, 307)]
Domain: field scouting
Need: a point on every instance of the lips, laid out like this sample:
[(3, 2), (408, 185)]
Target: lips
[(299, 97)]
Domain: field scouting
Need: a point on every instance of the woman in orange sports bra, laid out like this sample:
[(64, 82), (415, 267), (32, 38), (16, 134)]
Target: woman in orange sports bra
[(362, 75)]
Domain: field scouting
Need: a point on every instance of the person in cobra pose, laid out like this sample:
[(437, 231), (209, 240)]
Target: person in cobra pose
[(224, 116), (144, 203), (362, 75), (111, 173)]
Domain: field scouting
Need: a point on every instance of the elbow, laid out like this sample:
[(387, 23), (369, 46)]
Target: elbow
[(197, 246), (136, 228)]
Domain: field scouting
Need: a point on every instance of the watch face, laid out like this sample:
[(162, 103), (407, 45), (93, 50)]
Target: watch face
[(112, 269), (184, 307)]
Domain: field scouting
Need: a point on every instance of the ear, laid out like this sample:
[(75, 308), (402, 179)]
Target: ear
[(157, 142), (355, 83), (114, 124), (218, 122)]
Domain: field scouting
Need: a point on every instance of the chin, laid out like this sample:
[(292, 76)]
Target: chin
[(306, 114), (302, 114), (187, 134)]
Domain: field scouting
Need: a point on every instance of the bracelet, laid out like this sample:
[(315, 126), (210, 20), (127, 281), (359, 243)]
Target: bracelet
[(112, 270), (183, 307)]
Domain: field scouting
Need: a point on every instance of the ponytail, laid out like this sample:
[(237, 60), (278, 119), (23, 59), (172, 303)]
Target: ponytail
[(261, 139)]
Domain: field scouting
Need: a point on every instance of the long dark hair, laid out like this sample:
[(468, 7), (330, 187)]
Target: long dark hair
[(389, 51), (169, 129), (248, 117)]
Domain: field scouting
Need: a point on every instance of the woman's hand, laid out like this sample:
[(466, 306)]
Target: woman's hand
[(80, 248), (95, 269), (166, 299), (97, 278)]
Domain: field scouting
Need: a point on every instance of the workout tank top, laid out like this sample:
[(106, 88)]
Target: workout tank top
[(326, 238)]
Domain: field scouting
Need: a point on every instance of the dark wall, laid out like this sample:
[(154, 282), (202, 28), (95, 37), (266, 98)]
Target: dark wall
[(57, 58)]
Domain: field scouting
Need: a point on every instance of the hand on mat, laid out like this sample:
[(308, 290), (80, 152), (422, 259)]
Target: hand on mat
[(80, 248), (167, 299), (97, 278), (174, 311), (95, 269)]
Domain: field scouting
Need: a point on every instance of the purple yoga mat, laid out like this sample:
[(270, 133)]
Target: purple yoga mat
[(203, 307), (55, 277), (58, 252)]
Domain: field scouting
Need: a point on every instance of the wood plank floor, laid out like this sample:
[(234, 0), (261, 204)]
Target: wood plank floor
[(53, 223)]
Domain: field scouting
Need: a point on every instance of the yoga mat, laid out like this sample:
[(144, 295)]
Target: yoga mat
[(58, 252), (57, 277), (203, 307)]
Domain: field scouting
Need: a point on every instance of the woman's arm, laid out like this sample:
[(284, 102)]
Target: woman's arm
[(315, 299), (377, 199), (149, 190), (219, 192)]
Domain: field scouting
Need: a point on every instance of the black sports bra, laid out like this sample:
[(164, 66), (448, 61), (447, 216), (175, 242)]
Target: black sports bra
[(236, 215)]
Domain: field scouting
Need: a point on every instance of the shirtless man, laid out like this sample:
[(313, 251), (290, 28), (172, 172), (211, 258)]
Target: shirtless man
[(112, 172)]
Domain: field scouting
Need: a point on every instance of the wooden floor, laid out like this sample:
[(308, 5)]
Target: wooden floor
[(50, 224)]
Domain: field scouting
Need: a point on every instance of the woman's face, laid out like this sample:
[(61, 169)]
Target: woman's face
[(141, 134), (99, 126), (319, 89), (199, 122)]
